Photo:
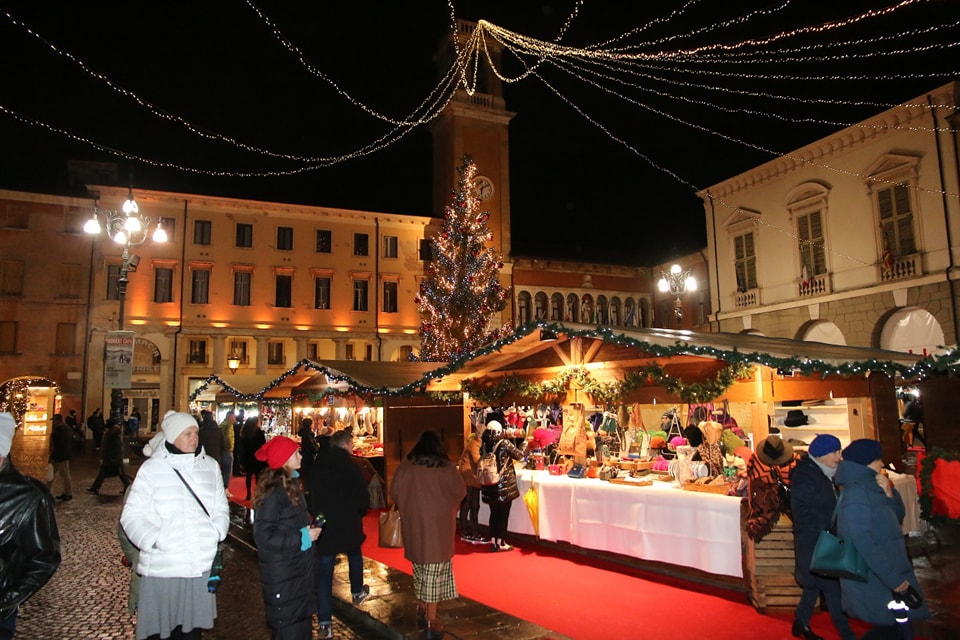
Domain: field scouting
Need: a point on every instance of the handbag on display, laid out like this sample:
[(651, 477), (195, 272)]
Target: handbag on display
[(835, 557), (391, 532), (577, 471)]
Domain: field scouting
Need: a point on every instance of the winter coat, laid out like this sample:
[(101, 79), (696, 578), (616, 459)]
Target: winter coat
[(228, 433), (286, 572), (308, 451), (337, 490), (428, 499), (175, 537), (29, 538), (871, 520), (111, 453), (469, 460), (506, 489), (813, 498), (251, 444), (61, 442), (211, 438)]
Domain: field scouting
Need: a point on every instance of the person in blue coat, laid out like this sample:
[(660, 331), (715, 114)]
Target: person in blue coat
[(869, 515), (284, 534), (813, 498)]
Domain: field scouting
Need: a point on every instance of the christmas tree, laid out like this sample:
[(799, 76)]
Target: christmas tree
[(461, 291)]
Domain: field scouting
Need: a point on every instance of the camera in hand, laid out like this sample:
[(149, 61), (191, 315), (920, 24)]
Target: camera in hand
[(911, 597), (213, 582), (319, 520)]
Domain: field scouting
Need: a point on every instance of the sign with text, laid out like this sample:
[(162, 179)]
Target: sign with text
[(118, 359)]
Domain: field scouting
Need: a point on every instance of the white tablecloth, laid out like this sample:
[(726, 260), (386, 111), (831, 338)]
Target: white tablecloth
[(660, 522)]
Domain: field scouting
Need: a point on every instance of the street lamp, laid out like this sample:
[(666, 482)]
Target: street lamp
[(128, 228), (233, 362), (677, 282)]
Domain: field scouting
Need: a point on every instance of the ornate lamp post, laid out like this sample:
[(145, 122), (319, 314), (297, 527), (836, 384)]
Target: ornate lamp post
[(128, 228), (677, 282)]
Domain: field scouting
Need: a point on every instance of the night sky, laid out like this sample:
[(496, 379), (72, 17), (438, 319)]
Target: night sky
[(607, 169)]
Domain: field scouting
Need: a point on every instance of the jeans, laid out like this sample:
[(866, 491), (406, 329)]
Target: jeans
[(325, 582), (831, 593), (469, 510), (499, 520), (226, 464)]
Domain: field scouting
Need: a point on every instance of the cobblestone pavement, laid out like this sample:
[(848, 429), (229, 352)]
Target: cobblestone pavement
[(87, 596)]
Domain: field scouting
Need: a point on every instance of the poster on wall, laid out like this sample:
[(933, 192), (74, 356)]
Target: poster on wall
[(118, 359)]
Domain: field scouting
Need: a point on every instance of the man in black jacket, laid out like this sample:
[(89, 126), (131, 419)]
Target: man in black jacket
[(30, 545), (338, 491)]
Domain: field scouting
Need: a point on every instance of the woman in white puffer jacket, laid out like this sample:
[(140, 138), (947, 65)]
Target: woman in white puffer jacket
[(176, 536)]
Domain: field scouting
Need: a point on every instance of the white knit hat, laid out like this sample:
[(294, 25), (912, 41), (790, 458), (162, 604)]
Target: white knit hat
[(7, 426), (493, 425), (174, 423), (155, 443)]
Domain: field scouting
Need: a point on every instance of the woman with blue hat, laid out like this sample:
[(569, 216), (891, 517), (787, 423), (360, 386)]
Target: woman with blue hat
[(869, 515), (813, 498)]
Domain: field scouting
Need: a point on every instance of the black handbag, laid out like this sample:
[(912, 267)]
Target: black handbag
[(577, 471), (835, 557)]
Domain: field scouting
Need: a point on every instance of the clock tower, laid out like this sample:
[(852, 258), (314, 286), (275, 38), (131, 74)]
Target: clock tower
[(475, 125)]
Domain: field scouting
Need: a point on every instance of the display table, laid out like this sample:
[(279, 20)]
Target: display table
[(660, 522)]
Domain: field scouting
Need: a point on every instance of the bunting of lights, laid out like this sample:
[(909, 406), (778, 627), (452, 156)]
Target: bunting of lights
[(461, 292)]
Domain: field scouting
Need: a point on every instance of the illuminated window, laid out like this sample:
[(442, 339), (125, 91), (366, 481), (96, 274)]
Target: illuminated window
[(745, 261), (197, 353), (321, 293), (241, 288), (360, 294), (275, 353), (389, 246)]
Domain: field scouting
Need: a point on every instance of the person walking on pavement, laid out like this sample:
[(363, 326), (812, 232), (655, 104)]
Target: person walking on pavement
[(427, 489), (338, 491), (252, 437), (97, 425), (29, 538), (284, 533), (213, 442), (308, 450), (61, 450), (869, 516), (133, 426), (227, 425), (813, 498), (176, 514), (111, 459)]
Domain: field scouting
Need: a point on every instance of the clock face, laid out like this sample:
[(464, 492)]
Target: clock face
[(483, 187)]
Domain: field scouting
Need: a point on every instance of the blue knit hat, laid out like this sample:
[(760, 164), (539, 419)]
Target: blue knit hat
[(863, 451), (824, 444)]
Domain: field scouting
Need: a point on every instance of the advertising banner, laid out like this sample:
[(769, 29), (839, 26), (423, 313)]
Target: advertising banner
[(118, 360)]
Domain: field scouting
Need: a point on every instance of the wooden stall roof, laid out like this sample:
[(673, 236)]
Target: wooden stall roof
[(532, 356)]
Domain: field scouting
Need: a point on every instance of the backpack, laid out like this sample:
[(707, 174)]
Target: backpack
[(488, 471)]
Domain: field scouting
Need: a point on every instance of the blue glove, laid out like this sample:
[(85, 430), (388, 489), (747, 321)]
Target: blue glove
[(305, 541)]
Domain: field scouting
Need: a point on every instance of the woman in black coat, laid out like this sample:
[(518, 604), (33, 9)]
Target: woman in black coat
[(253, 438), (501, 495), (813, 498), (284, 536)]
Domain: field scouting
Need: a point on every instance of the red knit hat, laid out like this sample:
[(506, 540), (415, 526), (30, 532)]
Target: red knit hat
[(277, 451)]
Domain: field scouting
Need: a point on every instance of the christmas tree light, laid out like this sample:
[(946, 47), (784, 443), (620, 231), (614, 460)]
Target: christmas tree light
[(462, 290)]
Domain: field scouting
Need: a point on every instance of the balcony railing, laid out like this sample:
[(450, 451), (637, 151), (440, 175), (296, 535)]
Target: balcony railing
[(901, 268), (815, 286), (748, 298)]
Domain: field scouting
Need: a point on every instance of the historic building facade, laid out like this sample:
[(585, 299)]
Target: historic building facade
[(851, 239)]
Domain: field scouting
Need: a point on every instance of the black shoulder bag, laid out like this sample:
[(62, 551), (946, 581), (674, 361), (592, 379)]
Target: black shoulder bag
[(216, 569)]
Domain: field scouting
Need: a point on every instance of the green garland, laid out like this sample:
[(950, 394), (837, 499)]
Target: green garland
[(926, 485), (609, 392)]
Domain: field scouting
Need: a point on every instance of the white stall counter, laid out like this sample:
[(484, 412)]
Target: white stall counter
[(661, 522)]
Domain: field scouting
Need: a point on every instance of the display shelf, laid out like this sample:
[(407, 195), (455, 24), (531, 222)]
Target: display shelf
[(832, 416)]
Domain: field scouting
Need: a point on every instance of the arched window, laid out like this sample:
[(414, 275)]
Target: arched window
[(603, 317), (587, 311), (615, 316), (556, 307), (540, 305), (572, 313), (523, 307), (630, 313)]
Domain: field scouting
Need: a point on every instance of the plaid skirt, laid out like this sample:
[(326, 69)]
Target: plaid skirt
[(434, 582)]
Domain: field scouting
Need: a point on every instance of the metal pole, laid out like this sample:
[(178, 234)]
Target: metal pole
[(116, 395)]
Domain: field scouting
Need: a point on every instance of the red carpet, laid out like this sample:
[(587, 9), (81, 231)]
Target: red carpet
[(601, 601)]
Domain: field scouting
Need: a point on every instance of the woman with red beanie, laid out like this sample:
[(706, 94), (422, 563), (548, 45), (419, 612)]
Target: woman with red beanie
[(284, 536)]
